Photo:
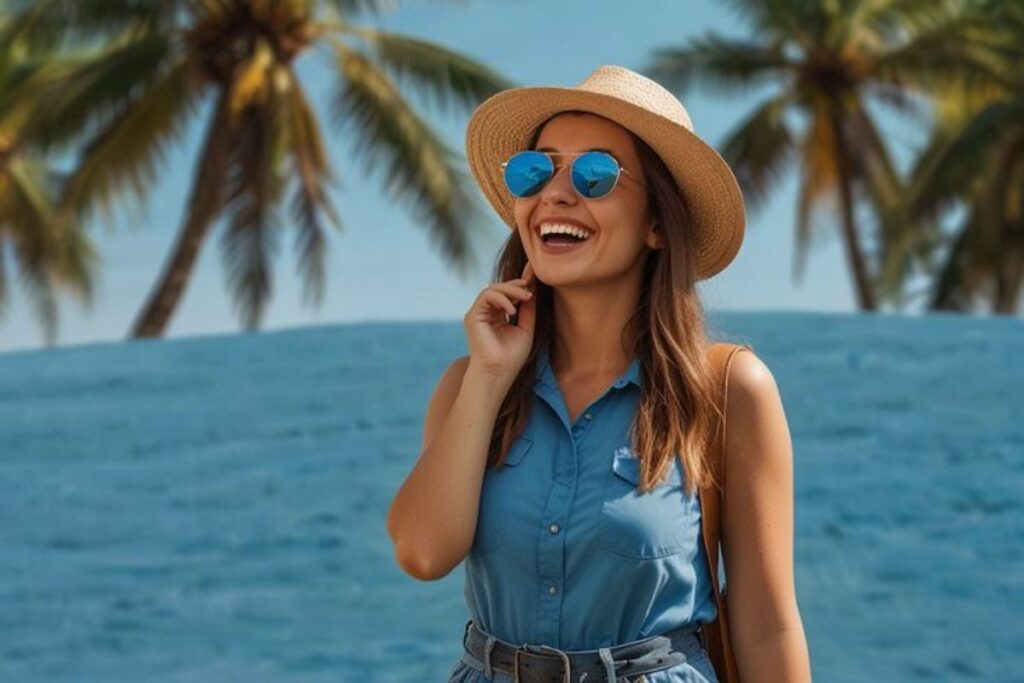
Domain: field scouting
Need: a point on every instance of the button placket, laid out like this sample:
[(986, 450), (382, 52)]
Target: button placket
[(550, 581), (586, 420), (551, 556)]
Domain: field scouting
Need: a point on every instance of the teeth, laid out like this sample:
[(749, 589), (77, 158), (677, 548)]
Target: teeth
[(564, 228)]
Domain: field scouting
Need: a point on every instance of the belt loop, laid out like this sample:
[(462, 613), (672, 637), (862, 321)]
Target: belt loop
[(488, 646), (605, 653)]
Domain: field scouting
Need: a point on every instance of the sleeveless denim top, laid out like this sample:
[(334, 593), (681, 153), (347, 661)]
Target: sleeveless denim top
[(566, 553)]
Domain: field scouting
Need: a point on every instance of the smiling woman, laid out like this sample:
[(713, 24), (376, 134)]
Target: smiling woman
[(574, 448)]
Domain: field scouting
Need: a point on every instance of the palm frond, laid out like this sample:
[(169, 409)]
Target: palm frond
[(940, 58), (127, 152), (875, 169), (79, 263), (350, 8), (759, 149), (435, 71), (956, 284), (45, 25), (955, 158), (799, 20), (84, 97), (26, 214), (819, 175), (914, 105), (251, 241), (256, 180), (997, 27), (21, 78), (891, 22), (718, 62), (48, 259), (310, 197), (421, 168)]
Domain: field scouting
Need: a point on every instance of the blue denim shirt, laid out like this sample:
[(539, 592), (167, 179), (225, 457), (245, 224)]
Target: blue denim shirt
[(566, 553)]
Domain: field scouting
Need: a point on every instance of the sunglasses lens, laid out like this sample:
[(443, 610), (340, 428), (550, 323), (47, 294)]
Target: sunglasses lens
[(526, 172), (594, 174)]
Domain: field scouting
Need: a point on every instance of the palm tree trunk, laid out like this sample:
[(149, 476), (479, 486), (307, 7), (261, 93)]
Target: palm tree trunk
[(854, 253), (1009, 272), (949, 286), (205, 201)]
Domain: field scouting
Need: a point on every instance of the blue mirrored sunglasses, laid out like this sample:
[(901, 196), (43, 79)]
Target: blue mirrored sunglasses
[(594, 174)]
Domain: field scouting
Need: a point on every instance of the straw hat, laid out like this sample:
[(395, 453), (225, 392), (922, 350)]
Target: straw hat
[(503, 123)]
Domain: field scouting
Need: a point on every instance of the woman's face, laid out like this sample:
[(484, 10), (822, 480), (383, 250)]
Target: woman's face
[(620, 223)]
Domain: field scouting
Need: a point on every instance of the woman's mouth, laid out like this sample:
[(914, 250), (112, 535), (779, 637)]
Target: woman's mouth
[(563, 238)]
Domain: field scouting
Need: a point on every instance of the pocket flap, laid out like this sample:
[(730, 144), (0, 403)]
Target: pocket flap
[(627, 465), (517, 451)]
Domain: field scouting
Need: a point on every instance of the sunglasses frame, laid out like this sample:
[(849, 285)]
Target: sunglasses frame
[(554, 172)]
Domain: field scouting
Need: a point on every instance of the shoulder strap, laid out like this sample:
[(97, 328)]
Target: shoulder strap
[(716, 633)]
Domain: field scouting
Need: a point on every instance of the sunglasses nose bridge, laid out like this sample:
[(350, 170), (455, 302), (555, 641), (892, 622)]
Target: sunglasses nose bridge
[(561, 185)]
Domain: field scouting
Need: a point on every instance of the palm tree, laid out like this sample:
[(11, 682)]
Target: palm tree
[(49, 259), (263, 145), (975, 158), (829, 59)]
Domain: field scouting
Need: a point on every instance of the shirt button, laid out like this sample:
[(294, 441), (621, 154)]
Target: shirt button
[(552, 589), (589, 416), (553, 528)]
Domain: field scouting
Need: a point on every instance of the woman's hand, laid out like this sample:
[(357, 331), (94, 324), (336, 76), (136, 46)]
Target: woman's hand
[(497, 346)]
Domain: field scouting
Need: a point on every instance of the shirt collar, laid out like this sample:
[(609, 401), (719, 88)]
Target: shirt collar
[(545, 375)]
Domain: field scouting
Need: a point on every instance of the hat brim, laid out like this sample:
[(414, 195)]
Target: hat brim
[(502, 125)]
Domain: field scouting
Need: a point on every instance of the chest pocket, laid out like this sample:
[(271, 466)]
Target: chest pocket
[(494, 494), (644, 525)]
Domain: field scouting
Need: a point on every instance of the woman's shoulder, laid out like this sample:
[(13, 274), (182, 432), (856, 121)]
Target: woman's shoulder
[(750, 379), (745, 369), (750, 384), (753, 406)]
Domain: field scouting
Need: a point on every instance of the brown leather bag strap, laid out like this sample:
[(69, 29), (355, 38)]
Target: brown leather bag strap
[(716, 633)]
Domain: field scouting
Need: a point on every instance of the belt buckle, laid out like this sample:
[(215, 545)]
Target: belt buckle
[(566, 663)]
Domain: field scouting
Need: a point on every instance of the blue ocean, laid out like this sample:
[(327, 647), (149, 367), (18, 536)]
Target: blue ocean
[(213, 508)]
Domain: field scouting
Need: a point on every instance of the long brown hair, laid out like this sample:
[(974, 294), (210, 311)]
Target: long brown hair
[(677, 411)]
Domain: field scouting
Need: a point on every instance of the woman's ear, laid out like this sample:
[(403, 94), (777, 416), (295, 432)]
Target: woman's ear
[(654, 236)]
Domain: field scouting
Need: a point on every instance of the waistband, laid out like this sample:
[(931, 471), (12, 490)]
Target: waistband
[(544, 664)]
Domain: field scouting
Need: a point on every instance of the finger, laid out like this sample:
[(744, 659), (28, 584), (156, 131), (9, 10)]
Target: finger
[(498, 300), (513, 289), (527, 315), (528, 275)]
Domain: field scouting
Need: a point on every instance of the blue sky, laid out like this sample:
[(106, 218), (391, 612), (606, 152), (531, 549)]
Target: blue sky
[(382, 266)]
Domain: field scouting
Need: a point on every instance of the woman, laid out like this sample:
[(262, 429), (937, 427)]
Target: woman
[(588, 387)]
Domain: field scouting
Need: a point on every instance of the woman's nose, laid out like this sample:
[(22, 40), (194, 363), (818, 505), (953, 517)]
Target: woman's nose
[(559, 188)]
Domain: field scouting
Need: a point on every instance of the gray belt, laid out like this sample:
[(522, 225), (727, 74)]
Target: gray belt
[(545, 664)]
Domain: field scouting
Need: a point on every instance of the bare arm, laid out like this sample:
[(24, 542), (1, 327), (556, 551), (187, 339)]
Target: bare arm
[(432, 519), (766, 628)]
